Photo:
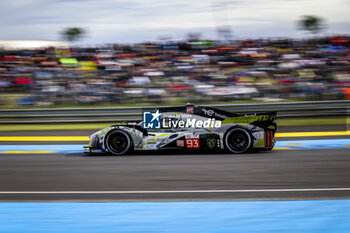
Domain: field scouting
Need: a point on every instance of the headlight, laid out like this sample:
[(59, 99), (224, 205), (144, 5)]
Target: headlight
[(93, 140)]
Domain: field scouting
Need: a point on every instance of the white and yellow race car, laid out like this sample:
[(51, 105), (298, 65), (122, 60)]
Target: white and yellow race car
[(188, 128)]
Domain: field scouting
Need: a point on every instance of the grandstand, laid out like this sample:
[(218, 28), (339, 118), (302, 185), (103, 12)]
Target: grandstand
[(30, 44)]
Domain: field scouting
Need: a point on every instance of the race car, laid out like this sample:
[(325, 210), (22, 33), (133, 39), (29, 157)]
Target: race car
[(188, 128)]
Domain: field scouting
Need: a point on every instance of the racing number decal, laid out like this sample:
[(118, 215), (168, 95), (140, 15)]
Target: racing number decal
[(192, 143)]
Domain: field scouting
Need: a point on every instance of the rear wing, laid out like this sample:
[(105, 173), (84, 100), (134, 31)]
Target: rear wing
[(261, 119)]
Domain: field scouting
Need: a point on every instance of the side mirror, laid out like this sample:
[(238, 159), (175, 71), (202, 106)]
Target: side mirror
[(145, 132)]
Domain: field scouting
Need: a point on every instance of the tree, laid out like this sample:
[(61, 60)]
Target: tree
[(73, 34), (311, 23)]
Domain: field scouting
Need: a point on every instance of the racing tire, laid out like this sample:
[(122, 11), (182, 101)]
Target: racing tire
[(118, 142), (238, 140)]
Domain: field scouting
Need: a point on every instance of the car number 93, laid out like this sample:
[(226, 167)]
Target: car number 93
[(192, 143)]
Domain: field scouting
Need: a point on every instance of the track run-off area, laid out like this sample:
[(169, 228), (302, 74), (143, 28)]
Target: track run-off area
[(48, 185)]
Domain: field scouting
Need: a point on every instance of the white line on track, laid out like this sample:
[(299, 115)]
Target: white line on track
[(178, 191)]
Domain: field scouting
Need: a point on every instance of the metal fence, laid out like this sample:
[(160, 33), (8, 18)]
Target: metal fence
[(94, 115)]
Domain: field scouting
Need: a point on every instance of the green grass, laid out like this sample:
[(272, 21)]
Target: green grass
[(313, 121), (95, 126)]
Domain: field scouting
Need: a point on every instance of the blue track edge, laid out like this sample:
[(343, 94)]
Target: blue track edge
[(298, 144), (243, 216)]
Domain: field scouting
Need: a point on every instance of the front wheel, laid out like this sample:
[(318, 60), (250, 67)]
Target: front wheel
[(238, 140), (118, 142)]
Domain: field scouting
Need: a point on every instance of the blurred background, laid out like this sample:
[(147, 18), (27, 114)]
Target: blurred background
[(213, 52), (71, 67)]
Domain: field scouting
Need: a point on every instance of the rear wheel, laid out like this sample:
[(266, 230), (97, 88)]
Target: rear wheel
[(118, 142), (238, 140)]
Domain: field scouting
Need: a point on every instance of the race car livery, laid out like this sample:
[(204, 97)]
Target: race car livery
[(188, 128)]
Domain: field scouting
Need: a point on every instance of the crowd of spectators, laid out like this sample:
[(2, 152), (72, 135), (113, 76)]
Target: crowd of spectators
[(191, 71)]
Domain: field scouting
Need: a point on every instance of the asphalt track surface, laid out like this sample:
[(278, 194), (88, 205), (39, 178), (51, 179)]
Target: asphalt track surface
[(295, 169), (276, 175)]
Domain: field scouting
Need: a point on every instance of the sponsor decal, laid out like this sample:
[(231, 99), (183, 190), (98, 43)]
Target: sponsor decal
[(150, 147), (189, 109), (151, 142), (180, 143), (192, 143), (151, 120), (96, 150), (249, 118), (90, 150), (211, 142), (212, 113), (192, 135)]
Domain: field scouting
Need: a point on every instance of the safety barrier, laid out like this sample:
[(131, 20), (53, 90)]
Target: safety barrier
[(94, 115)]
